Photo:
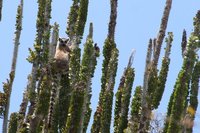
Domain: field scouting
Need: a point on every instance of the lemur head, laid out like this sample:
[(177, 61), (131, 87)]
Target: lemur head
[(63, 44)]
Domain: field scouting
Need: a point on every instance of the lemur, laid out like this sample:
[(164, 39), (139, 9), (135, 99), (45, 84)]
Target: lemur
[(59, 66)]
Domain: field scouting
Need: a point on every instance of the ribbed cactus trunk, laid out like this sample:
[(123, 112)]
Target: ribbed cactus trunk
[(76, 24), (150, 76), (88, 65), (102, 116), (35, 57), (13, 123), (178, 118), (39, 58), (123, 96), (8, 85), (22, 111), (134, 121), (193, 102), (180, 93), (162, 76)]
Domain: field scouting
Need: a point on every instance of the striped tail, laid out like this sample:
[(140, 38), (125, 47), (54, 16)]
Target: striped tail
[(53, 99)]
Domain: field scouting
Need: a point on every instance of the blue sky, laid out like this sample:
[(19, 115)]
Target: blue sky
[(137, 21)]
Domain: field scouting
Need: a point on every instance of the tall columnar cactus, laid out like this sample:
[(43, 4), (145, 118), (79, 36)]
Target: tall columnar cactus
[(178, 101), (8, 86), (162, 30), (72, 111), (39, 59), (13, 123), (162, 77), (107, 99), (41, 107), (181, 90), (169, 110), (73, 15), (123, 98), (76, 24), (102, 117), (81, 19), (183, 44), (133, 123), (46, 34), (22, 111), (43, 85), (79, 107), (193, 101), (35, 56), (150, 78), (88, 65)]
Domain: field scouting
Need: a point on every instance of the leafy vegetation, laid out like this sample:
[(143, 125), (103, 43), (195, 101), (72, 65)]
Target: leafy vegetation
[(72, 111)]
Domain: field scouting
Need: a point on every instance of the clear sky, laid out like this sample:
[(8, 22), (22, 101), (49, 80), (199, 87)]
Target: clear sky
[(137, 21)]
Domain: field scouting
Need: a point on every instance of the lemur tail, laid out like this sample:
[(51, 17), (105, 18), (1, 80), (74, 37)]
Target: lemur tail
[(53, 99)]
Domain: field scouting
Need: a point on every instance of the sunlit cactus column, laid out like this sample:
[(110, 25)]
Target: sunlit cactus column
[(177, 119), (102, 116), (8, 85), (75, 31), (123, 96), (150, 75)]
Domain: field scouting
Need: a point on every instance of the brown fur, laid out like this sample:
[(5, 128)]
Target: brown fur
[(62, 54)]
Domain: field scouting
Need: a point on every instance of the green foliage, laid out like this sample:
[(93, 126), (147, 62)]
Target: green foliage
[(75, 108), (169, 109), (88, 61), (2, 103), (24, 129), (107, 99), (76, 24), (19, 18), (86, 73), (161, 83), (63, 101), (152, 85), (35, 56), (72, 18), (102, 115), (5, 96), (83, 82), (77, 19), (196, 24), (44, 95), (162, 77), (194, 86), (122, 100), (193, 101), (74, 66), (13, 123), (72, 111), (181, 87), (32, 57), (133, 124), (82, 17), (107, 52)]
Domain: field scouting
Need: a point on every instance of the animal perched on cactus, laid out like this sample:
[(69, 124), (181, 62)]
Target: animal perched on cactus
[(58, 67)]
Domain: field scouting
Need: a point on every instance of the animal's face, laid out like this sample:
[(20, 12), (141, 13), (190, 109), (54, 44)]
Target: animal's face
[(63, 44)]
